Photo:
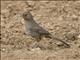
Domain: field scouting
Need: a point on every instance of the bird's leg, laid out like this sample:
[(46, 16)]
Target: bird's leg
[(38, 38), (35, 44)]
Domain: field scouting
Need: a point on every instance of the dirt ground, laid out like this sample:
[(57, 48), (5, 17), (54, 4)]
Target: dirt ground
[(60, 18)]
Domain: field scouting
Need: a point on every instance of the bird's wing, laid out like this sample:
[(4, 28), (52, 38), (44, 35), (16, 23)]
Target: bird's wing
[(40, 31)]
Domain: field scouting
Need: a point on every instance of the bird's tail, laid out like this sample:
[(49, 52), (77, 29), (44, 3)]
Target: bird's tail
[(58, 39)]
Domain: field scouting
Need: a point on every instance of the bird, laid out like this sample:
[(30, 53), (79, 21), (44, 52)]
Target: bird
[(35, 30)]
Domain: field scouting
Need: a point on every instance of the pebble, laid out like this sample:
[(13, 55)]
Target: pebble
[(79, 36)]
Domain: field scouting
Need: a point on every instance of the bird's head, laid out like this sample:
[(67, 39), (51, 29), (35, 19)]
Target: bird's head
[(27, 15)]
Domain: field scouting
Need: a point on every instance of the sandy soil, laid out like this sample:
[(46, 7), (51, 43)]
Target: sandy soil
[(60, 18)]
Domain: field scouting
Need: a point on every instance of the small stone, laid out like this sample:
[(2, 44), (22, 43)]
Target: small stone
[(3, 49), (71, 36), (59, 44), (79, 36)]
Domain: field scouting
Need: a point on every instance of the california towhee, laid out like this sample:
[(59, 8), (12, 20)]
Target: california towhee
[(36, 31)]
